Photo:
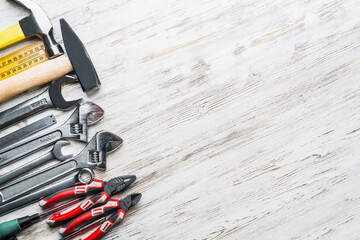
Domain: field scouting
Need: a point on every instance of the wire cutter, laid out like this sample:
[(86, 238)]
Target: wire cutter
[(108, 188), (118, 208)]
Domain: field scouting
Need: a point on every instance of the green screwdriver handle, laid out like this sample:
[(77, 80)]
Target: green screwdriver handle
[(9, 228), (12, 227)]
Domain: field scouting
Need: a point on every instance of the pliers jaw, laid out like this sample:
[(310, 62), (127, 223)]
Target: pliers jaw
[(129, 201), (118, 209), (118, 184), (109, 188)]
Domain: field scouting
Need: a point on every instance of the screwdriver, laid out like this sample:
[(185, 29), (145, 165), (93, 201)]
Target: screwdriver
[(85, 228), (10, 228)]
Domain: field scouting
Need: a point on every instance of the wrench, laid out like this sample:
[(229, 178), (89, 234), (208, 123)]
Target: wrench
[(74, 128), (50, 98), (36, 195), (54, 153), (27, 131), (29, 189)]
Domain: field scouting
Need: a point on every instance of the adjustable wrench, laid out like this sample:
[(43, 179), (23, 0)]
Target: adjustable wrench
[(74, 128), (54, 153), (31, 188), (51, 98)]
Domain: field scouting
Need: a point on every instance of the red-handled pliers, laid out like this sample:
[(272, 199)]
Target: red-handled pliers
[(95, 185), (109, 188), (118, 209)]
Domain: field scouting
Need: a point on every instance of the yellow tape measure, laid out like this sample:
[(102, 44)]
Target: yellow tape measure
[(22, 59)]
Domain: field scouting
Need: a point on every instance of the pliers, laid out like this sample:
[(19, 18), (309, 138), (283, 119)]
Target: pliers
[(108, 188), (118, 208)]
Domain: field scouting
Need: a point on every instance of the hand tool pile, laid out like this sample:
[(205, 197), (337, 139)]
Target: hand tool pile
[(69, 175)]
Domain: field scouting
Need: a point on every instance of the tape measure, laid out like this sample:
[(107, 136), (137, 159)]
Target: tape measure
[(22, 59)]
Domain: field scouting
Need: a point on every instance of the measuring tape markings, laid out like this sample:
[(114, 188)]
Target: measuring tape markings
[(22, 64), (22, 59)]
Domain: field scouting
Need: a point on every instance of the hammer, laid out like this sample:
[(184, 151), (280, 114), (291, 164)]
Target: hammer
[(76, 59), (36, 24)]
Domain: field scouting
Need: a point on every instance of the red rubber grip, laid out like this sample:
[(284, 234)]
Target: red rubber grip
[(76, 221), (117, 216), (77, 190), (65, 216), (48, 202), (99, 198), (109, 206)]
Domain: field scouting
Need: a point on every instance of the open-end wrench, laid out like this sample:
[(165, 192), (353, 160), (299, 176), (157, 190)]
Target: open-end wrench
[(30, 189), (76, 179), (51, 98), (74, 128), (54, 153)]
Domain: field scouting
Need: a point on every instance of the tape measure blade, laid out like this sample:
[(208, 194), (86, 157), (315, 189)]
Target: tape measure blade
[(22, 59)]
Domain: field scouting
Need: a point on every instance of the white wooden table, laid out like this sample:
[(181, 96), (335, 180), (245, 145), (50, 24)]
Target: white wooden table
[(239, 118)]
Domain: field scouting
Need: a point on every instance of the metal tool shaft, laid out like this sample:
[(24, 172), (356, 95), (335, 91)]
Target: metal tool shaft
[(37, 180), (25, 168), (31, 188), (85, 228), (54, 153), (27, 131), (36, 195), (74, 128), (25, 109), (27, 148)]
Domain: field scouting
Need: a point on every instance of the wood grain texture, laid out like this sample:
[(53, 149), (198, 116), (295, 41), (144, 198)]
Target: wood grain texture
[(35, 76), (238, 117)]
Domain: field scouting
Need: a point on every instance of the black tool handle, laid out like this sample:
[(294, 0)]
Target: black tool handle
[(9, 228), (25, 109)]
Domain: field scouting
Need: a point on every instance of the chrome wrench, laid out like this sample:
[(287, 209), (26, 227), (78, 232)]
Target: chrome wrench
[(54, 153), (29, 189), (27, 131), (74, 128), (51, 98), (36, 195)]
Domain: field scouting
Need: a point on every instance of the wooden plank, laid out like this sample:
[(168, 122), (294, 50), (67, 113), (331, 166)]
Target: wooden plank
[(239, 118)]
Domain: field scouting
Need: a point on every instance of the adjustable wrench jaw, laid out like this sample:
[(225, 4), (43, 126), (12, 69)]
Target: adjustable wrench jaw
[(106, 142), (76, 127), (90, 113), (94, 154)]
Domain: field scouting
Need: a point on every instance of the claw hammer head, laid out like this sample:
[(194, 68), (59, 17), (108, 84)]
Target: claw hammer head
[(38, 24)]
